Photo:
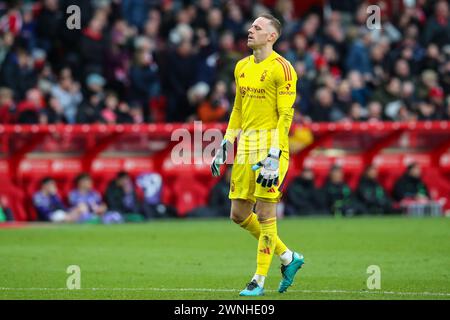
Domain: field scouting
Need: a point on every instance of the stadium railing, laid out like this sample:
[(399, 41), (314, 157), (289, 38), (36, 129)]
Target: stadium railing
[(30, 152)]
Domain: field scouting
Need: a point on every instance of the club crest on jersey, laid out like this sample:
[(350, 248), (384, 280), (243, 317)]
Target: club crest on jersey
[(263, 76)]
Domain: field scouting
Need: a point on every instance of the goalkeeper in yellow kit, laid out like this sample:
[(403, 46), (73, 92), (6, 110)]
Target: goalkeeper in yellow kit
[(262, 115)]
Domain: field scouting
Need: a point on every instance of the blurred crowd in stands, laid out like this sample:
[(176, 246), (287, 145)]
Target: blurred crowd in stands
[(137, 61), (409, 195), (119, 203), (136, 200)]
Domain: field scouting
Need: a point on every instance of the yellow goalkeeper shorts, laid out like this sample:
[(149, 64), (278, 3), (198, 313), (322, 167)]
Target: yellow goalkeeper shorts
[(243, 180)]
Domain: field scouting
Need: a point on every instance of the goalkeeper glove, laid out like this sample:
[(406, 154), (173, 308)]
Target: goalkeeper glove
[(219, 158), (270, 168)]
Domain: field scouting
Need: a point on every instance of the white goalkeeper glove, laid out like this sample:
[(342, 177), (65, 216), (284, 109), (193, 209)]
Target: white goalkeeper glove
[(270, 168), (220, 158)]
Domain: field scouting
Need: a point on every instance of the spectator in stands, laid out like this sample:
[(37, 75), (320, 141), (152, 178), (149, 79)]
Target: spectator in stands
[(324, 109), (206, 68), (6, 213), (412, 194), (151, 185), (135, 111), (124, 113), (118, 56), (216, 106), (121, 197), (340, 199), (426, 111), (445, 71), (95, 83), (407, 94), (7, 106), (50, 207), (304, 90), (11, 19), (152, 27), (356, 112), (29, 110), (17, 72), (203, 7), (437, 28), (436, 98), (93, 44), (388, 93), (234, 20), (402, 70), (343, 96), (53, 111), (410, 185), (214, 26), (93, 207), (310, 28), (48, 25), (227, 57), (303, 197), (135, 11), (447, 109), (197, 95), (331, 58), (432, 58), (359, 55), (68, 93), (428, 81), (6, 43), (375, 111), (359, 91), (46, 79), (109, 112), (299, 52), (89, 111), (378, 61), (144, 76), (372, 194), (181, 76)]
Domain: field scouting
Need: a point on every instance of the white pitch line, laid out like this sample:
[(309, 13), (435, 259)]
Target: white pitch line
[(446, 294)]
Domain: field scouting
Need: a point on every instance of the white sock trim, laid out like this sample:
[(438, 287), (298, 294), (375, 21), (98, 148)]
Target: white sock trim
[(259, 279), (286, 257)]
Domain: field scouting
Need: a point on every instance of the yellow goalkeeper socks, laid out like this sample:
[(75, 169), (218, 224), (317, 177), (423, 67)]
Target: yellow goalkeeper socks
[(266, 245), (252, 225)]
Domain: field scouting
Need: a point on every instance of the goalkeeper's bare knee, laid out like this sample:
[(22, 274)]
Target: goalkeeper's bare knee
[(266, 210), (240, 210), (238, 217)]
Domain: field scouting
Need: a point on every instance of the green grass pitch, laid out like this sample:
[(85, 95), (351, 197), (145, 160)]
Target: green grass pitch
[(213, 259)]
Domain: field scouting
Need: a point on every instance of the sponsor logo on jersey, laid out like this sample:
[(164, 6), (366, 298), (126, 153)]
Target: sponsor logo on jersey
[(287, 92), (246, 89)]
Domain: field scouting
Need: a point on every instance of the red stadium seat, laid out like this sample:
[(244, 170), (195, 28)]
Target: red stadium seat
[(189, 193)]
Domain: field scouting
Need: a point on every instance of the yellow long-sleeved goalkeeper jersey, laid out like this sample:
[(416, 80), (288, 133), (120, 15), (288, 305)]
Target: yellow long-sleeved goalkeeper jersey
[(263, 107)]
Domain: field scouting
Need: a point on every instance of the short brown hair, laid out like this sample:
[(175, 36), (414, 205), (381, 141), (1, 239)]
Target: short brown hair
[(273, 21)]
